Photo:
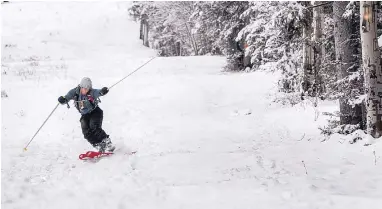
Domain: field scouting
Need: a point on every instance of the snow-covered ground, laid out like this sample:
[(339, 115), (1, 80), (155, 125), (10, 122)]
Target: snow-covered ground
[(205, 139)]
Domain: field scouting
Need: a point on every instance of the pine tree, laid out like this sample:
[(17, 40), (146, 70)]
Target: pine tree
[(347, 62)]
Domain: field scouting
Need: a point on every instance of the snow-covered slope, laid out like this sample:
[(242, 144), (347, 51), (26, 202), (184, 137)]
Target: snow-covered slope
[(205, 139)]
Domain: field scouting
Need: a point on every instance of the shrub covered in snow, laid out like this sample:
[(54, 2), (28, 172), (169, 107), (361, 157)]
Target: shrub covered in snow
[(3, 94)]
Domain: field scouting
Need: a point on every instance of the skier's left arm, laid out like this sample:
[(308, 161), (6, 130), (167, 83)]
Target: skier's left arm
[(100, 92)]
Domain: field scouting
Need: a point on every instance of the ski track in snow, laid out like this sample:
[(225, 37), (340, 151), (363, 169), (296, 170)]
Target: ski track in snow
[(205, 138)]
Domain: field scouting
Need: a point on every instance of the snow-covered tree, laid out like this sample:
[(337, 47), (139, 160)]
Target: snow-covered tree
[(379, 18), (328, 71), (217, 25), (273, 35), (210, 20), (198, 27), (349, 75), (371, 62), (318, 49), (307, 60)]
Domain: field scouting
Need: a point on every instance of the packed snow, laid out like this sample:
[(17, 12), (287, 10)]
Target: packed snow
[(205, 138)]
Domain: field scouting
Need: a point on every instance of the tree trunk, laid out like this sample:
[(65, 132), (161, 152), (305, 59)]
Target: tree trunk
[(371, 63), (318, 49), (141, 30), (344, 59), (177, 48), (146, 34), (191, 39), (144, 30), (196, 44), (307, 52)]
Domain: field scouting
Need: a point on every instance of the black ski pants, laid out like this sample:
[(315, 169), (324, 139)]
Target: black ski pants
[(91, 125)]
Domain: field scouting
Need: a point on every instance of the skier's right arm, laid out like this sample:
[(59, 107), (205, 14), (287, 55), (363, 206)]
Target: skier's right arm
[(69, 96)]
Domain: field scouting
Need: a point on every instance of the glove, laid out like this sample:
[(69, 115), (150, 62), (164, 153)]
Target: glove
[(62, 100), (104, 91)]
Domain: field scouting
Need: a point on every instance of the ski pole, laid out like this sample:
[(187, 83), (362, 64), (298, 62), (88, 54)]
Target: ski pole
[(132, 72), (25, 148)]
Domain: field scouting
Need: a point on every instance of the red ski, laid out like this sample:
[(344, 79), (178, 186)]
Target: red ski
[(93, 154)]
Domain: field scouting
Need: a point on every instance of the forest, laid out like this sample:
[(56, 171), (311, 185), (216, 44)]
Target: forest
[(324, 50)]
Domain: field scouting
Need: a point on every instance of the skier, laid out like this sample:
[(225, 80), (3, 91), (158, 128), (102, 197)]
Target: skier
[(86, 101)]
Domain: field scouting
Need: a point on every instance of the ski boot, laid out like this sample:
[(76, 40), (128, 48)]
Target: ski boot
[(109, 146), (106, 146)]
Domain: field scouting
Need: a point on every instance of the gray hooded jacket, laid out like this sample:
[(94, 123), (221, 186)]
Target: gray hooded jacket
[(85, 103)]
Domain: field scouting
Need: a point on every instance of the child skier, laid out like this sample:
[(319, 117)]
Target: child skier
[(86, 101)]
